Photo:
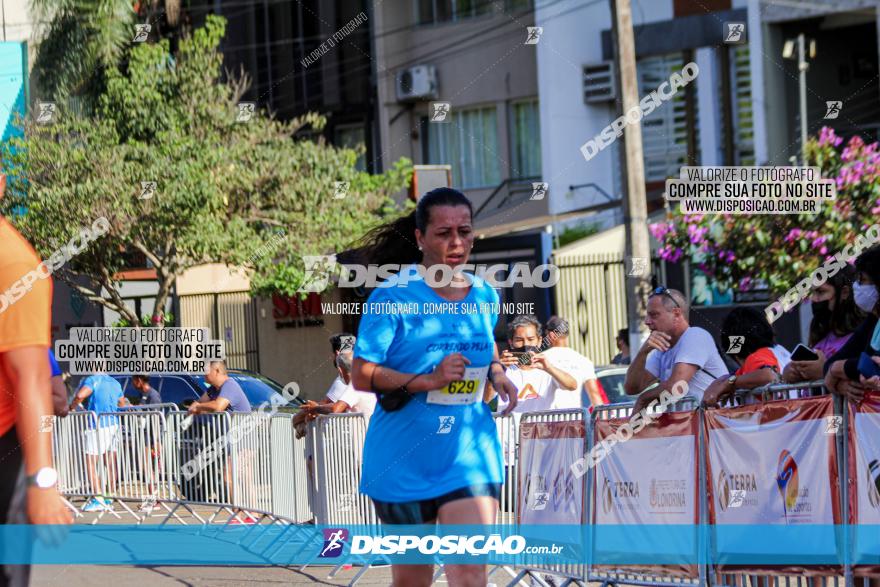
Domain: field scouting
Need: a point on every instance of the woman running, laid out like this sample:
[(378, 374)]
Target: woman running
[(432, 452)]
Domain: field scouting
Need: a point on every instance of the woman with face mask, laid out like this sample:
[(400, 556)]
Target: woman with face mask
[(842, 375), (835, 318)]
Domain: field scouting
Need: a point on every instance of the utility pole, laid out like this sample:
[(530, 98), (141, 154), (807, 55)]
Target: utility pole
[(632, 164), (803, 66)]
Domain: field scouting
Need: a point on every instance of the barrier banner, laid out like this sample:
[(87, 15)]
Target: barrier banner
[(548, 491), (864, 470), (646, 481), (773, 464)]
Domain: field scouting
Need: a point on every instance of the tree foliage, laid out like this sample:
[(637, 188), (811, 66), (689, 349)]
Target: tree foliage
[(257, 194), (782, 249)]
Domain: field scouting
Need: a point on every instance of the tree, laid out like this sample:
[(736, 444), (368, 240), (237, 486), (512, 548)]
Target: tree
[(237, 192), (782, 249)]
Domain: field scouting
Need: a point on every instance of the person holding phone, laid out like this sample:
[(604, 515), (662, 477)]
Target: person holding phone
[(432, 452), (835, 318), (538, 380), (851, 371)]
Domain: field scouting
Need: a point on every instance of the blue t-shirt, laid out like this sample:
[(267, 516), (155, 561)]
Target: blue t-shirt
[(231, 390), (106, 392), (53, 364), (425, 450)]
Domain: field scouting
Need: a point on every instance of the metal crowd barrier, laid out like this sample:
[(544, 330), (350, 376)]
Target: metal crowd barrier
[(289, 474), (527, 567), (200, 457), (507, 434)]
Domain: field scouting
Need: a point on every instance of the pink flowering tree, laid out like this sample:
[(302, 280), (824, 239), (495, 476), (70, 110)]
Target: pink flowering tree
[(782, 249)]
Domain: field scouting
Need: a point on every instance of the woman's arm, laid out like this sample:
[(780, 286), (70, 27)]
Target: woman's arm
[(378, 378), (849, 352)]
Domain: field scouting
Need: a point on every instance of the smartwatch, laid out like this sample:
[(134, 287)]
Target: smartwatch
[(44, 479)]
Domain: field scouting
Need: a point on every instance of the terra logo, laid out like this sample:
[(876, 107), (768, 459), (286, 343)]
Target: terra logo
[(334, 542), (787, 480), (607, 496)]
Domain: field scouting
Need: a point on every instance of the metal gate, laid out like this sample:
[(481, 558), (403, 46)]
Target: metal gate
[(591, 295), (232, 318)]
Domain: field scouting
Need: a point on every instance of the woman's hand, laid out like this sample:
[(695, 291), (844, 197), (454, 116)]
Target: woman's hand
[(451, 368), (506, 391)]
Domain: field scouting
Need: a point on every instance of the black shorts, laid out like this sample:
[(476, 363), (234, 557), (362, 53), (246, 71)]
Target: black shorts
[(12, 503), (426, 510)]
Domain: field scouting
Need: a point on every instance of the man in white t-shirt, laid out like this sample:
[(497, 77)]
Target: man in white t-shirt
[(572, 362), (351, 400), (675, 351), (539, 380)]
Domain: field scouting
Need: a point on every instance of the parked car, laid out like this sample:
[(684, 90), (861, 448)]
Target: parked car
[(187, 388), (611, 380)]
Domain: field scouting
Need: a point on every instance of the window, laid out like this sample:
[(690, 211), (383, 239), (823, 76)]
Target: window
[(664, 131), (526, 140), (468, 142), (743, 123), (351, 137), (436, 11), (177, 391)]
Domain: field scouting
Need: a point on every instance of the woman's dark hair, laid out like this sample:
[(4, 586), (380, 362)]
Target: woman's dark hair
[(395, 242), (846, 316), (752, 325), (869, 262)]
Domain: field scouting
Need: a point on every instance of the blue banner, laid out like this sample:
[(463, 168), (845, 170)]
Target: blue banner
[(499, 544)]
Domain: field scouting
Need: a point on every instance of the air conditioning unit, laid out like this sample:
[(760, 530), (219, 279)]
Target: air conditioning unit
[(417, 83), (600, 82)]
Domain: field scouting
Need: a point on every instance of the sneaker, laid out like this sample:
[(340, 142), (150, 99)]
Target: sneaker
[(96, 504), (247, 520)]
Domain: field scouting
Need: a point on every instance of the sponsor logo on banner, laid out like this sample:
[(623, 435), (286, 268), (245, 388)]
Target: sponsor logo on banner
[(668, 495), (540, 500), (796, 501), (733, 490), (622, 495), (873, 478), (334, 540)]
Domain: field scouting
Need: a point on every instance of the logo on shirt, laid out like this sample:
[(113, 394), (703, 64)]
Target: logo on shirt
[(528, 392), (334, 540), (446, 423)]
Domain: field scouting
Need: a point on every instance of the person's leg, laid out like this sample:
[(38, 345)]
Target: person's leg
[(92, 473), (413, 512), (468, 510)]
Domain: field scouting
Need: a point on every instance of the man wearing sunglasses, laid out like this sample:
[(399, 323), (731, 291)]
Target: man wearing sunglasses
[(675, 351)]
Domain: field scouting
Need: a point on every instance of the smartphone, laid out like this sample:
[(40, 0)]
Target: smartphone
[(524, 357), (804, 353)]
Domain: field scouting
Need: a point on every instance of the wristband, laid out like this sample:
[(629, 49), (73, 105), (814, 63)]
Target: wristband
[(494, 362)]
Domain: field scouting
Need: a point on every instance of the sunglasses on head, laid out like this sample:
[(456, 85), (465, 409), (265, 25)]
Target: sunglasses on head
[(664, 291)]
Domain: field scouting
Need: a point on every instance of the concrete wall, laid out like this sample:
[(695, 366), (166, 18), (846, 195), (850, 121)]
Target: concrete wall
[(298, 354)]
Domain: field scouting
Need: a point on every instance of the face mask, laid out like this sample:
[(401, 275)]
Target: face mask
[(821, 310), (865, 296)]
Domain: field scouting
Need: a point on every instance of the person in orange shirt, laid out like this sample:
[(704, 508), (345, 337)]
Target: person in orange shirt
[(28, 493), (748, 339)]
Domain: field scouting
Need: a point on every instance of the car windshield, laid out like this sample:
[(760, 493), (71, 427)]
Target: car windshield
[(257, 388)]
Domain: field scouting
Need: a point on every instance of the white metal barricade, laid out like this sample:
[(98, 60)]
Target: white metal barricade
[(507, 434), (249, 445), (198, 452), (139, 468), (572, 572), (339, 452), (69, 453), (289, 474), (621, 574)]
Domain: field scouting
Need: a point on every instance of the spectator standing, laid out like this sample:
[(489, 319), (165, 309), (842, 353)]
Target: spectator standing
[(753, 352), (842, 374), (622, 341), (537, 379), (675, 351), (342, 341), (147, 395), (351, 400), (28, 491), (573, 363), (104, 396)]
